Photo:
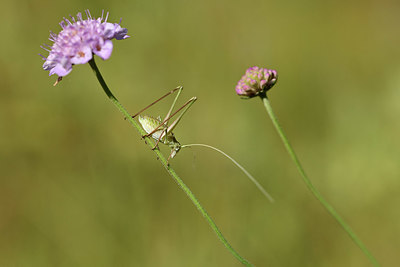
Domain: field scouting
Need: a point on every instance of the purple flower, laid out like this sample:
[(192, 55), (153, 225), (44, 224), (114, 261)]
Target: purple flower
[(255, 81), (79, 40)]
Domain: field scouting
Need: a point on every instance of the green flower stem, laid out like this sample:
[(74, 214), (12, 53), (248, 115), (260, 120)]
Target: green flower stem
[(309, 184), (163, 161)]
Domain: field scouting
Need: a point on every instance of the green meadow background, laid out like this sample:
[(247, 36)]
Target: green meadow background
[(78, 186)]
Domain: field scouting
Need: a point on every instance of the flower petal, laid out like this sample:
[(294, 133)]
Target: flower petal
[(60, 70), (109, 30), (82, 56), (104, 51), (120, 33)]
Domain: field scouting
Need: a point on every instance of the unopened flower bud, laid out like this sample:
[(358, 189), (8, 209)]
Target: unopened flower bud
[(256, 81)]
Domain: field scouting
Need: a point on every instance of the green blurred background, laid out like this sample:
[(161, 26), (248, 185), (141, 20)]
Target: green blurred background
[(78, 187)]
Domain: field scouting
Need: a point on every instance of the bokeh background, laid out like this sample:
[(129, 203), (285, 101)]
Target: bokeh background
[(78, 187)]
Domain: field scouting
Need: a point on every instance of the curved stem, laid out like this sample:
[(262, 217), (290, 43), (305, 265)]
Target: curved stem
[(259, 186), (163, 161), (309, 184)]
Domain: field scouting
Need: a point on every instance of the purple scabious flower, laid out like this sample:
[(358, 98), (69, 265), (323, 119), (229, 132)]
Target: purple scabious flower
[(256, 81), (78, 40)]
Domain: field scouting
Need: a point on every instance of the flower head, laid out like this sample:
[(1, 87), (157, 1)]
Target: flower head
[(255, 81), (79, 40)]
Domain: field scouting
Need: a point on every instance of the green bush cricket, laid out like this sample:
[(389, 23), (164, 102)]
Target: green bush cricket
[(159, 130)]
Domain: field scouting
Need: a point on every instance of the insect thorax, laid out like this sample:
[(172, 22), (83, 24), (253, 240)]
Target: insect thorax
[(174, 145)]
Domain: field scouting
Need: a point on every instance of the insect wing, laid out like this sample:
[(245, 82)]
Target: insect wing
[(149, 124)]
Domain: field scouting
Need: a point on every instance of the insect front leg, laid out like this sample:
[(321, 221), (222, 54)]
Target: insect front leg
[(164, 133), (169, 157)]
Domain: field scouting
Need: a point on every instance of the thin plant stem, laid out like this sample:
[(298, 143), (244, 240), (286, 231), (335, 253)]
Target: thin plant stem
[(251, 177), (309, 184), (164, 162)]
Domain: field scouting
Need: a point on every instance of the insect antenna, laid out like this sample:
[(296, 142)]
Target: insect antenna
[(161, 98), (251, 177)]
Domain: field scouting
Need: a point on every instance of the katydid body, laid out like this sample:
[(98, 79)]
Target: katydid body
[(159, 129), (149, 124)]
